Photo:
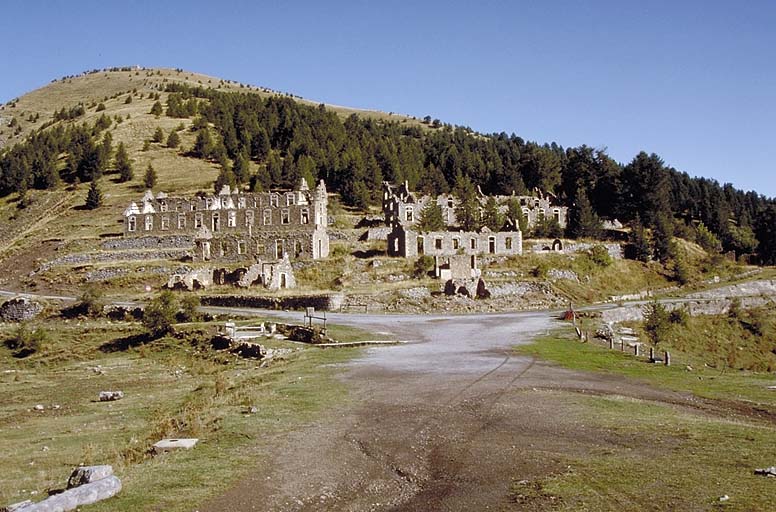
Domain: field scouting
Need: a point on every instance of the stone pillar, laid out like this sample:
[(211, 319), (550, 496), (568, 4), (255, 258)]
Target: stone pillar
[(611, 343), (651, 353), (636, 350), (667, 358)]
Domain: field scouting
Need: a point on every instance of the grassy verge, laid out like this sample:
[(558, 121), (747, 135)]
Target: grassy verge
[(653, 456), (656, 458), (751, 387), (173, 388)]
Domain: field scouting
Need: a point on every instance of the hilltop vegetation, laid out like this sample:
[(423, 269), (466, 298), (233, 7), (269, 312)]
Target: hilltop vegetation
[(262, 139)]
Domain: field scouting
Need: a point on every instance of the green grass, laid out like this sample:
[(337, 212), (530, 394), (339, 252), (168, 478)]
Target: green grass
[(173, 388), (563, 348), (656, 456), (660, 459)]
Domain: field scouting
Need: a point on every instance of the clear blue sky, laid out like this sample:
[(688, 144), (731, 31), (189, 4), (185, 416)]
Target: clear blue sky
[(694, 81)]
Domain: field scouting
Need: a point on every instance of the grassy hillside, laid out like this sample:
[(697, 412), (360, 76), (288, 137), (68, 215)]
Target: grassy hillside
[(93, 88)]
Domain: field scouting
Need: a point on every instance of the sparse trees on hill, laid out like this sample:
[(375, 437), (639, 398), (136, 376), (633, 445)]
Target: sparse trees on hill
[(123, 164), (203, 145), (149, 179), (156, 109), (225, 177), (173, 140), (94, 196), (158, 137)]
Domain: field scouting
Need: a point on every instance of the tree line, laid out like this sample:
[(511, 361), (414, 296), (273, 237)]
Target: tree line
[(286, 140)]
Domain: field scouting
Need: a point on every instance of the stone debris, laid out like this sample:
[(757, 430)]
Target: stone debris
[(88, 474), (19, 309), (166, 445), (16, 507), (769, 472), (86, 485), (39, 407), (109, 396)]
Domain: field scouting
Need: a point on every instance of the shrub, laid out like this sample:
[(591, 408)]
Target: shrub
[(160, 313), (679, 316), (25, 341), (91, 301), (656, 322), (600, 256), (423, 266), (189, 306)]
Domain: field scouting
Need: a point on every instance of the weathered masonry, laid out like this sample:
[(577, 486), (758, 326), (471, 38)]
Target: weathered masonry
[(235, 226), (403, 206), (408, 243)]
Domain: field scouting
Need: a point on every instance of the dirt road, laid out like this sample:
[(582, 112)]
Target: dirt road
[(448, 422)]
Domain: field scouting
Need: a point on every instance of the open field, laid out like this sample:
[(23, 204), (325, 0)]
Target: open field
[(173, 387), (667, 456)]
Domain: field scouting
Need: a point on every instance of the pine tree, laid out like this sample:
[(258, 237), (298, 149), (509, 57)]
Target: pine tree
[(517, 216), (431, 218), (241, 169), (94, 196), (149, 180), (583, 221), (203, 145), (468, 211), (491, 217), (662, 238), (123, 164), (156, 109), (639, 240), (225, 177), (173, 140), (158, 136)]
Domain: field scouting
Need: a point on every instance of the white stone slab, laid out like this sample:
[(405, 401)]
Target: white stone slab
[(166, 445)]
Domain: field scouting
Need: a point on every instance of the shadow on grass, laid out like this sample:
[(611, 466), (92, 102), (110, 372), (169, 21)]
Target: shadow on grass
[(126, 342)]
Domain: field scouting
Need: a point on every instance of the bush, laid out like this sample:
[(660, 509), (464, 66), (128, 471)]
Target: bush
[(540, 270), (91, 301), (679, 316), (160, 314), (656, 322), (25, 341), (189, 306), (423, 266), (600, 256)]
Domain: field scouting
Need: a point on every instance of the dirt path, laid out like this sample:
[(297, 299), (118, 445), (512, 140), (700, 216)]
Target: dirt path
[(450, 422)]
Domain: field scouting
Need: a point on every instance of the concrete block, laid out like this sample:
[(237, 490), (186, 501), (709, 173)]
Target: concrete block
[(166, 445)]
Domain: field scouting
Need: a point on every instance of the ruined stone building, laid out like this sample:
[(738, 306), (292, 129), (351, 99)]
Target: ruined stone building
[(404, 207), (238, 227)]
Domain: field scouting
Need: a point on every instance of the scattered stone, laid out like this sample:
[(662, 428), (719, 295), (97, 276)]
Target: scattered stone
[(39, 407), (76, 497), (166, 445), (724, 498), (110, 396), (769, 472), (19, 309), (88, 474), (688, 368), (16, 507)]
